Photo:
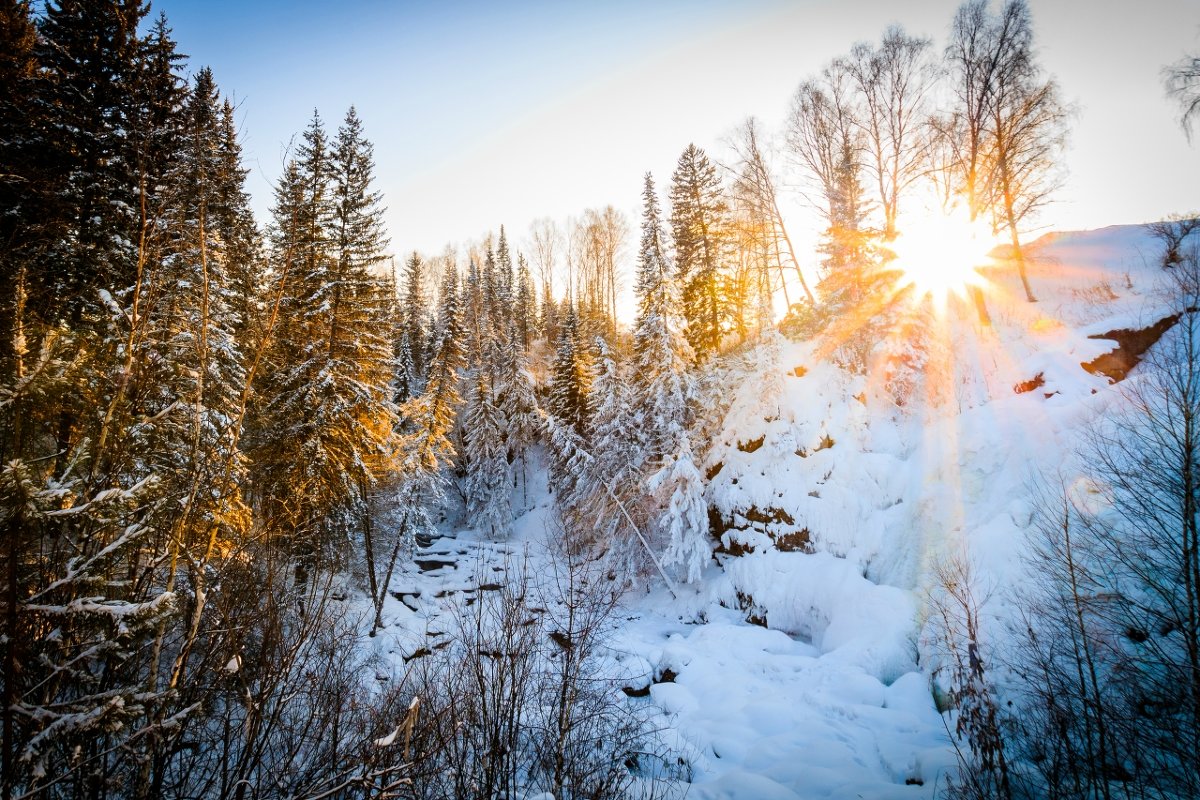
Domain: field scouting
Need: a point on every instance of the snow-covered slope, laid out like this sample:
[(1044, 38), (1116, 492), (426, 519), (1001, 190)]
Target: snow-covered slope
[(796, 668), (834, 502)]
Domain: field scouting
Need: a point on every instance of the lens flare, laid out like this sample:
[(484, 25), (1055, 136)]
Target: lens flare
[(939, 254)]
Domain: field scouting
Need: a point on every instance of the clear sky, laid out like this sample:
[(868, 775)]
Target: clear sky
[(485, 113)]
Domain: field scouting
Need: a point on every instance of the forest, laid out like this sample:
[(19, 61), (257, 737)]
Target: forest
[(227, 444)]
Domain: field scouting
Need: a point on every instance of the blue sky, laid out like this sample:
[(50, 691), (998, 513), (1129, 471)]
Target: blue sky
[(489, 113)]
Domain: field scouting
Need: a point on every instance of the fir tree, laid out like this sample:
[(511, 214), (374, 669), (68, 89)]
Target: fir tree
[(504, 279), (661, 352), (684, 517), (159, 95), (614, 430), (477, 305), (428, 448), (193, 322), (614, 472), (407, 383), (22, 222), (517, 399), (425, 450), (358, 236)]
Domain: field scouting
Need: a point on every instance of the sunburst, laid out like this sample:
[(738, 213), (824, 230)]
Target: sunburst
[(939, 254)]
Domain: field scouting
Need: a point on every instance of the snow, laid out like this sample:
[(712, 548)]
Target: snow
[(800, 671), (389, 740)]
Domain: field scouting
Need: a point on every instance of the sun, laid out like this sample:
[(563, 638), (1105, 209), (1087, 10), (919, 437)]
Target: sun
[(939, 254)]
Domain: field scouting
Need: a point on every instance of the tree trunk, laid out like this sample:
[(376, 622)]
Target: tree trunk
[(1018, 254), (791, 253)]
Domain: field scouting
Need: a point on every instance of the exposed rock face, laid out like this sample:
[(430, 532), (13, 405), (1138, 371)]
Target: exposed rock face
[(1131, 345)]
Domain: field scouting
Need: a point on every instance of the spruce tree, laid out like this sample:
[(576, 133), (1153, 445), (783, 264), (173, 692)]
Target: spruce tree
[(330, 417), (193, 323), (489, 481), (665, 397), (614, 473), (358, 235), (523, 304), (661, 352), (504, 279), (477, 307), (21, 225), (571, 380), (428, 449), (156, 135), (235, 224), (89, 54), (700, 229), (413, 319), (517, 399)]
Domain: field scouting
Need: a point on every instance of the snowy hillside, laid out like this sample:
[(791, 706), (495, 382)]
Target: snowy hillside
[(799, 666)]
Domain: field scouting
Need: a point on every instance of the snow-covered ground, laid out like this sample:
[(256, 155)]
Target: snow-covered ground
[(797, 666)]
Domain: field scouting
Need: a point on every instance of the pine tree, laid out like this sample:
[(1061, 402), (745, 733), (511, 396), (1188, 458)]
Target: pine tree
[(699, 227)]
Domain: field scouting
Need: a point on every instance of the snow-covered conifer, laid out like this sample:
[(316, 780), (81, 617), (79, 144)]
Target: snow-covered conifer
[(489, 481), (661, 351), (614, 472), (684, 519), (699, 227), (665, 395), (329, 415), (571, 379), (523, 304), (413, 316)]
